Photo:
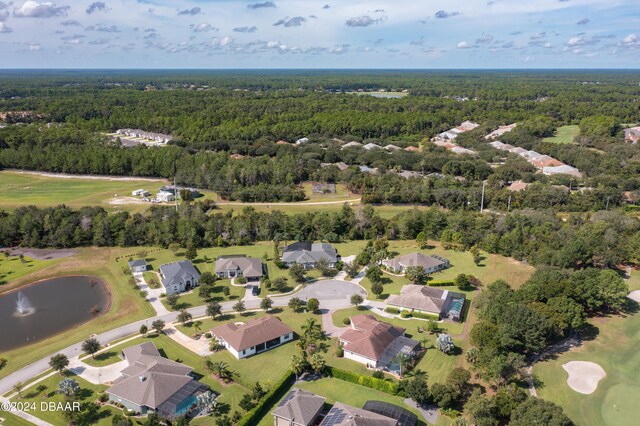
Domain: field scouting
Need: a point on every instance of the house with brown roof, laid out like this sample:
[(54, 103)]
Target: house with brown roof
[(376, 344), (518, 186), (298, 408), (429, 300), (412, 148), (153, 384), (239, 266), (256, 336), (430, 264)]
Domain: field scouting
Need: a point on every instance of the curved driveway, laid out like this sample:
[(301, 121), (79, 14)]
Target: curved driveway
[(332, 294)]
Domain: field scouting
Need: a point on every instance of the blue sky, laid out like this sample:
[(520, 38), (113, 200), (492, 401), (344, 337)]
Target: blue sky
[(320, 34)]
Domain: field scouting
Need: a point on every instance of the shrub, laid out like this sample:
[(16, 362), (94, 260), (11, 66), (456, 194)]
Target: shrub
[(378, 374), (346, 321), (391, 310), (103, 397), (340, 352), (280, 264), (207, 335), (254, 415), (425, 315), (441, 283), (405, 314), (366, 381), (241, 280), (450, 412)]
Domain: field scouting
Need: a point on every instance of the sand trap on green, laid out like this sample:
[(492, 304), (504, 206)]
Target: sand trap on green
[(584, 376)]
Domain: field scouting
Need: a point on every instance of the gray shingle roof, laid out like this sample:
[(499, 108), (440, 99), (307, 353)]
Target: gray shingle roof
[(177, 272), (307, 252), (137, 262), (299, 406), (249, 266)]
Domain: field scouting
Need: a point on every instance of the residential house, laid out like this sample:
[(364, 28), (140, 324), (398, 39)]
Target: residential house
[(302, 141), (518, 186), (367, 169), (430, 300), (371, 146), (392, 147), (352, 144), (403, 416), (141, 134), (323, 188), (409, 174), (412, 149), (281, 142), (153, 384), (239, 266), (500, 131), (376, 344), (298, 408), (461, 150), (308, 254), (139, 265), (430, 263), (563, 170), (179, 276), (630, 197), (253, 337)]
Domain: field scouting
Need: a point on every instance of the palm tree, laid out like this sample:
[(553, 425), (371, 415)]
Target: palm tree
[(298, 365), (197, 326), (317, 363), (312, 329), (220, 369)]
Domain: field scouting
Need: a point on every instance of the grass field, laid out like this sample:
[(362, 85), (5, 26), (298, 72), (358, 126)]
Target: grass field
[(6, 418), (564, 134), (13, 268), (126, 305)]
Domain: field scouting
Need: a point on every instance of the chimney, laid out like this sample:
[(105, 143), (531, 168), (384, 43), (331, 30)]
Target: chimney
[(142, 378)]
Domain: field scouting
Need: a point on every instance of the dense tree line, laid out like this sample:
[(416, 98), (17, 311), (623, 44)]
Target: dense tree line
[(600, 240)]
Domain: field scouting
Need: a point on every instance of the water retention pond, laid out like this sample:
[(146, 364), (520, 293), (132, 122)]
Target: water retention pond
[(46, 308)]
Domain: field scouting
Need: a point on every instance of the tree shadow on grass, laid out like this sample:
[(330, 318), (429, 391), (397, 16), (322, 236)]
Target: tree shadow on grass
[(105, 356)]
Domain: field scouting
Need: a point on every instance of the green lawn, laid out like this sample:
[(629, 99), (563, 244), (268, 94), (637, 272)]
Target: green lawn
[(88, 393), (564, 134), (335, 390), (12, 268), (615, 349), (7, 418)]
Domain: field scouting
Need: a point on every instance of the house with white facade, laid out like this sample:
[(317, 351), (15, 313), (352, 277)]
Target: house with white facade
[(179, 276), (165, 197), (138, 265), (428, 300), (256, 336)]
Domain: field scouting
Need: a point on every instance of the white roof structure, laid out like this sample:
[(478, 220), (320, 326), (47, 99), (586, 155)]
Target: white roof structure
[(371, 146), (352, 144), (562, 170)]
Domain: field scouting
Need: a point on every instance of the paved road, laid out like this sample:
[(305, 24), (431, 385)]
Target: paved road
[(332, 294)]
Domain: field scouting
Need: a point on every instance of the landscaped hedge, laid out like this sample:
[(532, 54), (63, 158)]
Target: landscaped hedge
[(440, 283), (278, 390), (366, 381), (425, 315), (391, 310)]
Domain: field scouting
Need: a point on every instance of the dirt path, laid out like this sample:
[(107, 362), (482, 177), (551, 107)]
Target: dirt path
[(97, 177), (562, 346)]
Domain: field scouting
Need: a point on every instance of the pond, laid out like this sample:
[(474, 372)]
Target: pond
[(48, 307)]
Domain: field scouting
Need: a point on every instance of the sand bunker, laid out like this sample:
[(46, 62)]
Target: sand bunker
[(584, 376), (635, 295)]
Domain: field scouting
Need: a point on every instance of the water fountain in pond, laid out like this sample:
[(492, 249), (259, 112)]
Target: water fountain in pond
[(23, 307)]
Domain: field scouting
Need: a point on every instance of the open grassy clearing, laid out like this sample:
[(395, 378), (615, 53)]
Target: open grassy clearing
[(564, 134), (126, 305), (7, 418), (342, 193), (13, 268), (615, 349)]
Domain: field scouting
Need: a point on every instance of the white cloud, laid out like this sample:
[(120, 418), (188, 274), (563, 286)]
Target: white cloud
[(33, 9), (463, 45), (203, 28), (630, 39)]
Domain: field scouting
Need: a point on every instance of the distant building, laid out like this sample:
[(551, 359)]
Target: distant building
[(409, 174), (308, 254), (430, 264), (376, 344), (632, 134), (298, 408), (500, 131), (140, 193), (165, 197), (431, 300), (239, 266), (254, 337), (179, 276), (139, 265), (562, 170), (371, 146), (352, 144), (391, 147), (154, 384), (412, 149), (346, 415), (141, 134), (323, 188), (302, 141), (518, 186)]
